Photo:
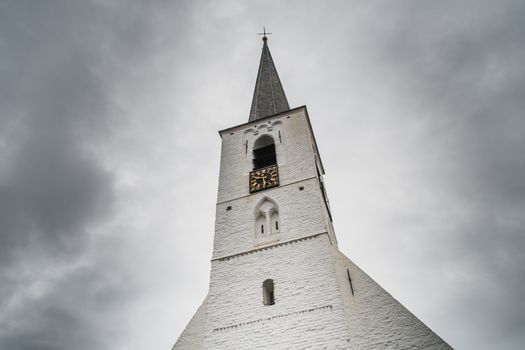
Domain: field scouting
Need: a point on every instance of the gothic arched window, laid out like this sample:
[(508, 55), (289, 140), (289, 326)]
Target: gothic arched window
[(264, 152), (266, 218), (268, 294)]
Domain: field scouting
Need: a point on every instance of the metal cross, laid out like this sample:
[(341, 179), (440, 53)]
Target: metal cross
[(264, 33)]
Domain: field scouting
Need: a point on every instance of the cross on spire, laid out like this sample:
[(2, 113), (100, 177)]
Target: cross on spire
[(264, 33)]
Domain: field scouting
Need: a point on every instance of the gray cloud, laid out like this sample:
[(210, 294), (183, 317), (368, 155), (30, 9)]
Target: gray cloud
[(54, 191), (70, 304), (457, 78)]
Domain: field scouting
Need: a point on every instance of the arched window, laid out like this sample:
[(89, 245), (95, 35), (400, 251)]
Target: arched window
[(264, 152), (268, 295), (266, 218)]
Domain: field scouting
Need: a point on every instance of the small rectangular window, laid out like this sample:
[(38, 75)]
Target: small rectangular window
[(277, 225), (268, 293), (262, 228)]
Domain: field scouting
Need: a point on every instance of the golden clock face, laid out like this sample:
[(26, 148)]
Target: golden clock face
[(264, 178)]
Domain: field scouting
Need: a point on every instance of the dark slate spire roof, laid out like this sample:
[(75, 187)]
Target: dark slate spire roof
[(268, 97)]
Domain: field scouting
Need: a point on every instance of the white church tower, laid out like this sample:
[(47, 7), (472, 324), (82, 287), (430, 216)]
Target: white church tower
[(278, 279)]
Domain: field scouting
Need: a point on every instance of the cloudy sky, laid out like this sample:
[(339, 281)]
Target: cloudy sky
[(109, 157)]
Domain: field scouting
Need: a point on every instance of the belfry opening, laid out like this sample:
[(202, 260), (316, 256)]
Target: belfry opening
[(264, 152)]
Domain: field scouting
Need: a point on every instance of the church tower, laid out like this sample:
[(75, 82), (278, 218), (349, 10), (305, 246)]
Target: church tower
[(278, 279)]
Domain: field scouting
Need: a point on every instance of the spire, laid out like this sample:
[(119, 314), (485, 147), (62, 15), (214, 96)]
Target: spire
[(268, 97)]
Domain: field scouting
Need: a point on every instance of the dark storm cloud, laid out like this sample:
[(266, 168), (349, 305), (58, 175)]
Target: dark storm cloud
[(51, 189), (50, 186), (57, 65), (80, 307)]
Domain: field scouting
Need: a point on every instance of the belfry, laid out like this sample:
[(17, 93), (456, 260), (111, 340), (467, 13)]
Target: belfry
[(278, 279)]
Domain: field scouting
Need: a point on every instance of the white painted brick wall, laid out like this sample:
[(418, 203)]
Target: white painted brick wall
[(375, 319), (295, 154), (308, 311), (192, 338), (314, 308), (301, 213)]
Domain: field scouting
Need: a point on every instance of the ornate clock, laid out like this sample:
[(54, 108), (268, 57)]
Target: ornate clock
[(264, 178)]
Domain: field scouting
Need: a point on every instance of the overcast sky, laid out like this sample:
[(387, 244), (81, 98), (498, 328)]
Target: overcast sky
[(109, 157)]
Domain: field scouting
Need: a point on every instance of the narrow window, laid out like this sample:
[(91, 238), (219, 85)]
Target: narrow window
[(350, 280), (264, 152), (277, 225), (323, 192), (262, 228), (268, 296)]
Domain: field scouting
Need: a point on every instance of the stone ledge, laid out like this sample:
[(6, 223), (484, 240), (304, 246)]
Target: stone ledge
[(251, 251), (290, 314)]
